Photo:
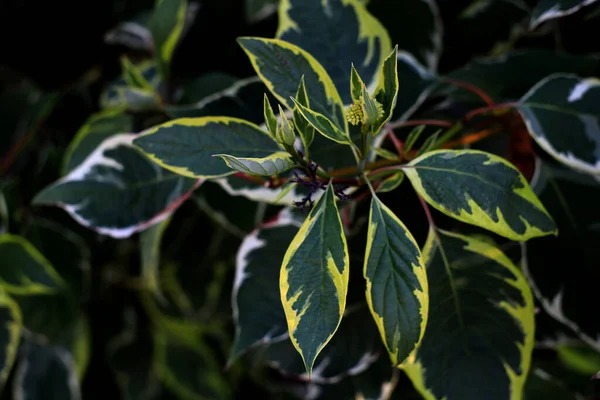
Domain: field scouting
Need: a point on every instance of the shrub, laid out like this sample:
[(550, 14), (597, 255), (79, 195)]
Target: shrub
[(350, 222)]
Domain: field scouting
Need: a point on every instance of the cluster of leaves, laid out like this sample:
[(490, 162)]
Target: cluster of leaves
[(262, 224)]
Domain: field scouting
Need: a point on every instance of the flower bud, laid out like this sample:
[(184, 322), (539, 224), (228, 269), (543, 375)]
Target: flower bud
[(285, 130)]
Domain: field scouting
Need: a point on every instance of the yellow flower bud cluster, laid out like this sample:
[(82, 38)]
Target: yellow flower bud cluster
[(355, 113)]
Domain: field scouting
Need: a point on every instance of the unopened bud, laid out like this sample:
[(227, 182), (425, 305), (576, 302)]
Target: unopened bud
[(285, 130)]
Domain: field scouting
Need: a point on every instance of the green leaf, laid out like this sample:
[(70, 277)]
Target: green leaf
[(273, 164), (415, 26), (383, 153), (481, 189), (199, 88), (281, 66), (387, 90), (238, 186), (412, 138), (580, 358), (356, 84), (166, 26), (46, 373), (369, 108), (95, 130), (186, 146), (24, 270), (480, 330), (10, 335), (541, 385), (191, 372), (429, 143), (550, 9), (565, 103), (257, 10), (417, 84), (571, 198), (509, 76), (66, 251), (350, 32), (238, 101), (306, 131), (314, 279), (323, 125), (270, 118), (353, 349), (133, 76), (257, 311), (397, 291), (237, 214), (133, 99), (116, 177), (150, 240)]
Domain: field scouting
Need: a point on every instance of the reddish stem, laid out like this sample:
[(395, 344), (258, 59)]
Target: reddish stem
[(416, 122), (398, 144), (471, 88), (482, 110), (427, 212)]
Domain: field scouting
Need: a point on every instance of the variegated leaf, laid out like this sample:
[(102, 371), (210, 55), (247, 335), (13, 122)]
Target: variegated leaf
[(480, 331), (481, 189), (314, 279), (186, 146), (397, 291), (117, 190), (351, 32), (562, 103)]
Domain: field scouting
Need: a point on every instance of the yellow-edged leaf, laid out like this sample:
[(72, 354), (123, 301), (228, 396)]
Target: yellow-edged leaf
[(482, 189), (314, 279)]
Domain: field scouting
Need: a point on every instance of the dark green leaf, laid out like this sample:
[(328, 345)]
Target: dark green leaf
[(481, 189), (45, 373), (282, 65), (10, 335), (273, 164), (237, 214), (150, 241), (510, 76), (306, 131), (186, 146), (314, 279), (387, 89), (566, 103), (66, 251), (189, 371), (166, 26), (337, 33), (417, 83), (257, 309), (397, 291), (565, 293), (480, 331), (24, 270), (113, 178), (323, 125), (239, 100), (391, 182), (415, 26), (95, 130)]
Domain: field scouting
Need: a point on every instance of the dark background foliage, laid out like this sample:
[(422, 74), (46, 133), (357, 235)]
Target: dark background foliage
[(60, 46)]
